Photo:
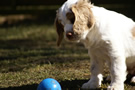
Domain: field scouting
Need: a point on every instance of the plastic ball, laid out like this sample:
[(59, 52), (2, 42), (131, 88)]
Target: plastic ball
[(49, 84)]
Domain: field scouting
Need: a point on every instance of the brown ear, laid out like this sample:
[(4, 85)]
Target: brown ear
[(60, 30), (83, 13)]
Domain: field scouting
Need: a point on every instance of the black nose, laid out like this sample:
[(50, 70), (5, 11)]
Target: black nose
[(69, 35)]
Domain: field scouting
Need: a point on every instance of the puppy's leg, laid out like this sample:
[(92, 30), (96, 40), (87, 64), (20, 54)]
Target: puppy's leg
[(96, 74), (118, 71)]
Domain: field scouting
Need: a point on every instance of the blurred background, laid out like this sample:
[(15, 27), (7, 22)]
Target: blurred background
[(28, 51), (19, 11)]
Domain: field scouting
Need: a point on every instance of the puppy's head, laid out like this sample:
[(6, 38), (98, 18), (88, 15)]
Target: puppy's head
[(73, 20)]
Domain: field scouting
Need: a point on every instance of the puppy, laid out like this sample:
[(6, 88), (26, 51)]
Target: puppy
[(109, 37)]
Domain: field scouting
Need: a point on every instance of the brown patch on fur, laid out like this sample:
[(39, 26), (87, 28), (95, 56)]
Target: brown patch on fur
[(71, 16), (84, 18), (133, 31), (60, 30)]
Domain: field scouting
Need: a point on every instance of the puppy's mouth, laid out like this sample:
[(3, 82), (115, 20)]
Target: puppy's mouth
[(71, 36)]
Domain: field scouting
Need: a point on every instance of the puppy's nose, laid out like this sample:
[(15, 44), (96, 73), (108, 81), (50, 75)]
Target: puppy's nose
[(69, 35)]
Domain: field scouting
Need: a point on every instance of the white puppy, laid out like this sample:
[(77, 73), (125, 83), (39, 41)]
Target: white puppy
[(108, 36)]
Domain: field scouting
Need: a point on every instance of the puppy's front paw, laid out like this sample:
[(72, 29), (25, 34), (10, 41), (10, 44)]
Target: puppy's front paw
[(90, 85), (133, 79)]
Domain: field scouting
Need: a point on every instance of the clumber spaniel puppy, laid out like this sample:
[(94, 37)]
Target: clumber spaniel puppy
[(109, 37)]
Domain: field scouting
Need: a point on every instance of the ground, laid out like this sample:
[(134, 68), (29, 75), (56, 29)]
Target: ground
[(28, 54)]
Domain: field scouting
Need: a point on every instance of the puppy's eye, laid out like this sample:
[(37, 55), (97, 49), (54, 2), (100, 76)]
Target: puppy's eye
[(70, 16)]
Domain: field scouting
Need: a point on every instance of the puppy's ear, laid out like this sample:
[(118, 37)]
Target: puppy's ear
[(82, 12), (59, 30)]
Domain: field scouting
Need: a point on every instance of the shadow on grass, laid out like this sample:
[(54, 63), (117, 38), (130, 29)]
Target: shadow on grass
[(75, 85), (66, 85), (14, 44), (25, 87)]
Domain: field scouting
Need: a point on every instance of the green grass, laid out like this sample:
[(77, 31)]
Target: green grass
[(28, 54)]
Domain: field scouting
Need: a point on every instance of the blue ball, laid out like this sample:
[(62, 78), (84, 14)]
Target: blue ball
[(49, 84)]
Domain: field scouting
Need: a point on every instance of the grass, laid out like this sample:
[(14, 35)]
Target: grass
[(28, 54)]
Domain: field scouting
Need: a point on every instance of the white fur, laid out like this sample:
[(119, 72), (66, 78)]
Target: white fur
[(109, 40), (133, 80), (64, 9), (68, 27)]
